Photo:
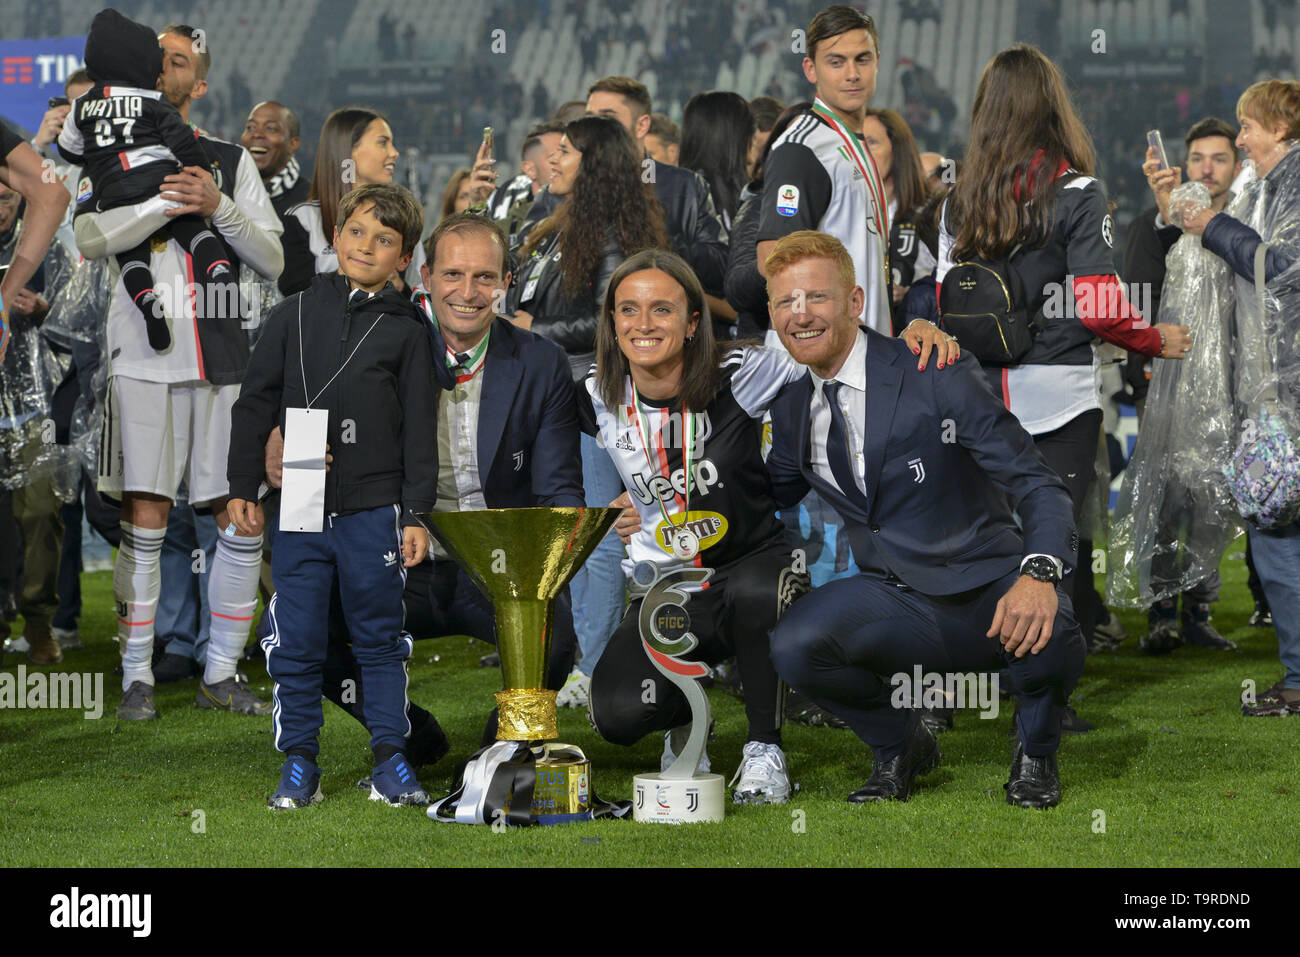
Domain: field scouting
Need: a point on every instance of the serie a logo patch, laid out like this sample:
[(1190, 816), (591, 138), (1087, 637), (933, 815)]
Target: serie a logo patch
[(787, 200)]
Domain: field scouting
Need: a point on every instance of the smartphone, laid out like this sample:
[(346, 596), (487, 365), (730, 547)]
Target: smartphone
[(490, 142), (59, 101), (1155, 142)]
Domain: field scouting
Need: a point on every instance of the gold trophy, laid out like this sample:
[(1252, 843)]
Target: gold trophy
[(521, 559)]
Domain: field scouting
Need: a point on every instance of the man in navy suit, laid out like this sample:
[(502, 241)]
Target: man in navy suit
[(929, 472), (507, 438)]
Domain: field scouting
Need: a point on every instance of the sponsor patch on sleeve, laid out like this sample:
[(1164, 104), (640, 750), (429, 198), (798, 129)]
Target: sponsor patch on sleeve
[(83, 189), (787, 200)]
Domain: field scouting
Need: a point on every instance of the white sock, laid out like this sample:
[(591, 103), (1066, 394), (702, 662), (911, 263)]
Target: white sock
[(137, 579), (232, 599)]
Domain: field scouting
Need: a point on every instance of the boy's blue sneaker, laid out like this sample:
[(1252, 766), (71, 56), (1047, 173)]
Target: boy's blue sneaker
[(299, 785), (395, 784)]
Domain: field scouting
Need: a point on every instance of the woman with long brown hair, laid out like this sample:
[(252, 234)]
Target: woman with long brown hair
[(355, 149), (606, 213), (1028, 200)]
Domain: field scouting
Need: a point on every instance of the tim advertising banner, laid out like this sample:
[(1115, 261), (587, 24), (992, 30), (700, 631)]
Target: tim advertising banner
[(32, 71)]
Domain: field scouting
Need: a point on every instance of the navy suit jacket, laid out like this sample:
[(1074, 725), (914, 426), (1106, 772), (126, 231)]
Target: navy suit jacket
[(947, 469), (528, 452)]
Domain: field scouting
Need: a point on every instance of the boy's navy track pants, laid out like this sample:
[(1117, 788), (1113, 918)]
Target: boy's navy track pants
[(366, 548)]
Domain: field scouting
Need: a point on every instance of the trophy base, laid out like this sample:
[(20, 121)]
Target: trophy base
[(660, 800), (550, 783)]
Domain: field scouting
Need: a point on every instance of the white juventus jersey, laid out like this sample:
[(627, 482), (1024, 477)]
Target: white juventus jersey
[(247, 224), (811, 182), (731, 506)]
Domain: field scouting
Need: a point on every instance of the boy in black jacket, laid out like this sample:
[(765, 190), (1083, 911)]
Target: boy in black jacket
[(350, 346), (129, 137)]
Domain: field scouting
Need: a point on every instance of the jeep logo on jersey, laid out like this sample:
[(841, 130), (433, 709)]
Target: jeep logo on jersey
[(708, 527), (703, 474), (787, 200)]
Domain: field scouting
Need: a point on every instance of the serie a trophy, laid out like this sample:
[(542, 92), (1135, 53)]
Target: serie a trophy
[(521, 559), (680, 794)]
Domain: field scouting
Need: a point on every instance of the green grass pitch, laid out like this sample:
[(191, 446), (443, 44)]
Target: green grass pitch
[(1173, 775)]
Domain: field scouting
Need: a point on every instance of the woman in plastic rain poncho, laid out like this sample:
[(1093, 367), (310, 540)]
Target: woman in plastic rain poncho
[(1227, 449)]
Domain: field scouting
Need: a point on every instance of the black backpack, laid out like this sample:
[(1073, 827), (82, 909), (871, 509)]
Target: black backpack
[(983, 304)]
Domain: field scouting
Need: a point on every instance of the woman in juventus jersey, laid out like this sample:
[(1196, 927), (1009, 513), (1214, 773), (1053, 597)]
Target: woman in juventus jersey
[(681, 416)]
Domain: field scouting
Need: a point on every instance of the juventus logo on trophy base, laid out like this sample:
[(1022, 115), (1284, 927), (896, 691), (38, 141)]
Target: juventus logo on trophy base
[(678, 795)]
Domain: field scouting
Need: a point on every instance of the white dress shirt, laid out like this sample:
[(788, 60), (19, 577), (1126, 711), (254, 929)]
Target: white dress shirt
[(853, 403)]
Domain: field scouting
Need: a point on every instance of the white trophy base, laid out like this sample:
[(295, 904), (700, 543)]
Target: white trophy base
[(662, 800)]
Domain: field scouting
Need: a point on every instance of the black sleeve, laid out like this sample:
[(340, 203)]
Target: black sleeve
[(257, 410), (1144, 257), (419, 421), (574, 329), (745, 288), (1089, 231), (703, 243), (1235, 243), (586, 410), (9, 141), (796, 192), (178, 136), (299, 263)]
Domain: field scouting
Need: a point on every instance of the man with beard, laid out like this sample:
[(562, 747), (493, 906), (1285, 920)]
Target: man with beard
[(168, 413), (1212, 159)]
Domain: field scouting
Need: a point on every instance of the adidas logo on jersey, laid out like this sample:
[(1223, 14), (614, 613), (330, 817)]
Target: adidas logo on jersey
[(390, 559), (661, 488)]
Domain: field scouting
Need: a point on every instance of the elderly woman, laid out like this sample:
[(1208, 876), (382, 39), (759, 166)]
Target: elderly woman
[(1267, 215)]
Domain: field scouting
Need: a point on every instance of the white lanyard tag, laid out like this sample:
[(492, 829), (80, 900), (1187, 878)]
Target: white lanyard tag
[(302, 496)]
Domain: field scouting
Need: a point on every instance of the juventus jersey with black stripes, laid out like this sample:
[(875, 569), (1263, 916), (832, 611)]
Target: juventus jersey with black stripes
[(811, 182), (731, 507)]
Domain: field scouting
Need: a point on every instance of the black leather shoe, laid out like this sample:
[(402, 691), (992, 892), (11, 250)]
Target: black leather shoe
[(892, 780), (1198, 631), (938, 720), (1034, 781)]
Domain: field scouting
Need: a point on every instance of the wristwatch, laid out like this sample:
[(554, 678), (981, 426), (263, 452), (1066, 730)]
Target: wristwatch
[(1041, 568)]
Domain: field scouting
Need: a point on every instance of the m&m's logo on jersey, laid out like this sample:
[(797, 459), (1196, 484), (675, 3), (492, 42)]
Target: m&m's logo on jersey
[(787, 200), (708, 527)]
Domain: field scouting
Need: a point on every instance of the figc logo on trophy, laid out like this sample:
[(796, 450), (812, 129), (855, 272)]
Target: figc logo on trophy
[(521, 559), (678, 795)]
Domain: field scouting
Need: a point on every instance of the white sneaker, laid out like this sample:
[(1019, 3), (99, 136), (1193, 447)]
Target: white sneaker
[(68, 638), (674, 741), (18, 645), (576, 691), (763, 776)]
